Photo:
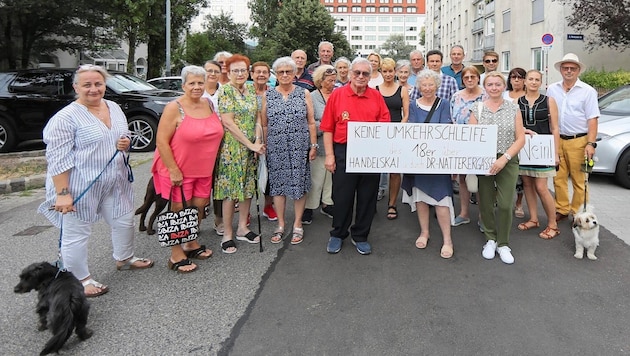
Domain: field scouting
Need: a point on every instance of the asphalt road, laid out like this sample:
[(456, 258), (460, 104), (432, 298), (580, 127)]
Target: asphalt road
[(299, 300)]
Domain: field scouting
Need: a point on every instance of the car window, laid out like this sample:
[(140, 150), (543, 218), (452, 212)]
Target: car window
[(42, 83), (617, 102), (122, 83)]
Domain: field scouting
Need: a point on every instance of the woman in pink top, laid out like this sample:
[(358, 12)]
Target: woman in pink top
[(188, 138)]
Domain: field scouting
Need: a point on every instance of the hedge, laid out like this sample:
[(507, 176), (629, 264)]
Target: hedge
[(605, 81)]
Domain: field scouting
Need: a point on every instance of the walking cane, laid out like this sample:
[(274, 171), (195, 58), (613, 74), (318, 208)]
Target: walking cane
[(258, 214)]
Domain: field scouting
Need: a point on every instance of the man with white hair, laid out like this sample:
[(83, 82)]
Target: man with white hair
[(578, 112), (416, 59), (351, 102), (325, 50), (302, 77)]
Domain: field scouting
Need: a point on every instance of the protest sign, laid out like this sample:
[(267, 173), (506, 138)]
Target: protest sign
[(539, 150)]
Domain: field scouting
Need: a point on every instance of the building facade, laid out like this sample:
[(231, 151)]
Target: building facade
[(529, 34), (367, 24)]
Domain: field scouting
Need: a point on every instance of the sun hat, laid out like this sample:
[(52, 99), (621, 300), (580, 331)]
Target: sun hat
[(569, 58)]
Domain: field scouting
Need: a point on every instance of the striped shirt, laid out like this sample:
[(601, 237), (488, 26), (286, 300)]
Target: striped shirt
[(79, 142)]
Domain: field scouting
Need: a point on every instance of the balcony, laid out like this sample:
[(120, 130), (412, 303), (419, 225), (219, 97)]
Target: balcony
[(488, 42), (489, 8), (477, 55), (477, 25)]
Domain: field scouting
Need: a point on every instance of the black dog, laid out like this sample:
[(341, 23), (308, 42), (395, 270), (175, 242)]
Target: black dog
[(62, 304), (150, 197)]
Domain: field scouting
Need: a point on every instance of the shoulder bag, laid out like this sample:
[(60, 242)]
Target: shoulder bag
[(178, 227)]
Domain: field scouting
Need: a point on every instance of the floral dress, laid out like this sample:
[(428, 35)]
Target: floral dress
[(236, 168), (288, 144)]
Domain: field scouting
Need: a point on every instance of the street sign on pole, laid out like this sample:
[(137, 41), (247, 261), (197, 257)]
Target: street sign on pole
[(547, 38)]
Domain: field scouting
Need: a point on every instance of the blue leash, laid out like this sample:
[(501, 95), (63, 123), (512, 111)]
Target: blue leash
[(59, 262)]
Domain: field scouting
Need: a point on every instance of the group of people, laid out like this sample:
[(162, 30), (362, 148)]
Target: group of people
[(209, 141)]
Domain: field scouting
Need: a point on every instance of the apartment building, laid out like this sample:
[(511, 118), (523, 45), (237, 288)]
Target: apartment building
[(526, 33), (367, 24)]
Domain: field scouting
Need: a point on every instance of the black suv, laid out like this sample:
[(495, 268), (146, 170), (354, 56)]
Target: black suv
[(29, 98)]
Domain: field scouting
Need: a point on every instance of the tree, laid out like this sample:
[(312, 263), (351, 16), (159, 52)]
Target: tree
[(128, 23), (221, 34), (608, 19), (396, 47), (32, 28)]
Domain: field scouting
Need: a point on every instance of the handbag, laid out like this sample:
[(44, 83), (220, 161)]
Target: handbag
[(472, 183), (263, 175), (178, 227)]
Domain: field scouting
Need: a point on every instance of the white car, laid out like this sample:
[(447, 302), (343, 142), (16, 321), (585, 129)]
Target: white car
[(169, 83), (613, 136)]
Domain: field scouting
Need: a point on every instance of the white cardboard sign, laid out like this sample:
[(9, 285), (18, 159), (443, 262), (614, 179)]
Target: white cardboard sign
[(420, 148), (539, 150)]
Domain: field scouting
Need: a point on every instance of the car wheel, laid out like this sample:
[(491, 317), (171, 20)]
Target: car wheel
[(7, 136), (143, 132), (622, 173)]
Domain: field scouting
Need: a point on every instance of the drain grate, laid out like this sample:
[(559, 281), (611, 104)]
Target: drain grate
[(33, 230)]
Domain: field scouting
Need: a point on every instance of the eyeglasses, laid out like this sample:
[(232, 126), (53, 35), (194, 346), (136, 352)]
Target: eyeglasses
[(259, 72), (491, 61), (213, 71), (470, 77), (569, 69), (238, 71), (284, 72), (330, 71), (358, 73), (516, 77)]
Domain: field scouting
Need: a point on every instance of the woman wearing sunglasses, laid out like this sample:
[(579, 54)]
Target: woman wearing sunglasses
[(515, 90)]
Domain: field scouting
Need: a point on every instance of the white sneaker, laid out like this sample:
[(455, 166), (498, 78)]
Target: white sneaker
[(505, 254), (489, 249)]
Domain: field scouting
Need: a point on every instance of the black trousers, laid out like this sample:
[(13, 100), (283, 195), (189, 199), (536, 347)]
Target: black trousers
[(346, 188)]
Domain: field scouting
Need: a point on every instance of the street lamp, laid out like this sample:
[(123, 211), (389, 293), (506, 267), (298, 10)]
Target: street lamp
[(168, 38)]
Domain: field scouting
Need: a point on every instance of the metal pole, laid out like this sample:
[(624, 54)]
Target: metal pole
[(168, 37)]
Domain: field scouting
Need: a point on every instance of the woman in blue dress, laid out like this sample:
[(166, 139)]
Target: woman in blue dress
[(423, 190)]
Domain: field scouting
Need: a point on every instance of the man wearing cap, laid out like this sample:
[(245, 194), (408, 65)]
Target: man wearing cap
[(578, 112)]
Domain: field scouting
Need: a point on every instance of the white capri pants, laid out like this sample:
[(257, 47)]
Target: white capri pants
[(74, 240), (321, 184)]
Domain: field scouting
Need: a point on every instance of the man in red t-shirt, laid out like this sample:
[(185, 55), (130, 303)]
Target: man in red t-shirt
[(353, 102)]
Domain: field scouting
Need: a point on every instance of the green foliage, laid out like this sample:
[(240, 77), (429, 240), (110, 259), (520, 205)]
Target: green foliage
[(264, 14), (600, 79), (396, 47)]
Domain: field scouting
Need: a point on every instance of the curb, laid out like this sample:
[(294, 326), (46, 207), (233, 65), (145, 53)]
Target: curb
[(21, 184)]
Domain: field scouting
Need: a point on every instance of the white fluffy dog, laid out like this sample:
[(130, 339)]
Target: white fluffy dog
[(586, 232)]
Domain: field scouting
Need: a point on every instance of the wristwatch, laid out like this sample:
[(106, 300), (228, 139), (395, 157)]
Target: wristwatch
[(314, 145), (594, 144)]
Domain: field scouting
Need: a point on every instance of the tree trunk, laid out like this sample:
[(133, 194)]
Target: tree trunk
[(9, 48), (131, 58)]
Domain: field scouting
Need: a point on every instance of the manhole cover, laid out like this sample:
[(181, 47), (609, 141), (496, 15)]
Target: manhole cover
[(33, 230)]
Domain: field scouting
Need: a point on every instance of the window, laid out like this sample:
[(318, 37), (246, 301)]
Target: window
[(383, 19), (342, 1), (370, 37), (411, 9), (383, 28), (383, 1), (356, 28), (505, 61), (44, 84), (329, 1), (370, 28), (489, 26), (370, 9), (397, 1), (356, 9), (356, 38), (356, 1), (370, 1), (538, 11), (506, 21), (370, 46), (398, 19), (411, 1), (342, 28), (411, 38), (397, 9), (383, 38), (330, 8), (412, 28), (397, 29), (370, 18), (383, 9), (537, 58), (357, 47), (342, 9)]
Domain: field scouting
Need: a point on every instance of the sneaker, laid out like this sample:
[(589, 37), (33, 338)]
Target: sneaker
[(506, 254), (489, 250), (473, 199), (381, 194), (334, 244), (307, 217), (327, 210), (459, 220), (363, 247), (455, 186), (270, 213)]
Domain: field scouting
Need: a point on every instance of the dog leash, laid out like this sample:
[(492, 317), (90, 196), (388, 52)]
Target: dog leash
[(59, 263)]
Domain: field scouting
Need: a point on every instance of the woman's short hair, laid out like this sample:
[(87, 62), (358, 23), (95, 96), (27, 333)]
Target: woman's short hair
[(213, 62), (342, 60), (320, 73), (89, 68), (284, 62), (518, 71), (194, 71), (237, 58), (380, 59), (494, 73), (403, 63), (260, 64), (471, 70), (222, 54), (388, 63), (428, 74)]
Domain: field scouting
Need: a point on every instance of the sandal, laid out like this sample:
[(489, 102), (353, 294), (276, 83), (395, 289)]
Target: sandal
[(528, 225), (446, 251), (392, 212), (131, 264), (518, 212), (91, 283), (227, 244), (198, 253), (298, 235), (250, 237), (278, 235), (549, 233), (421, 242), (175, 266)]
